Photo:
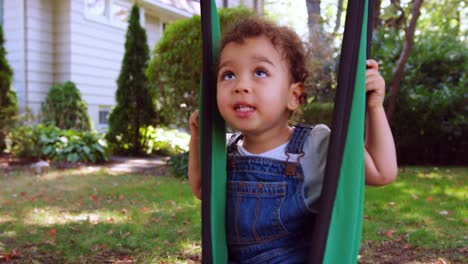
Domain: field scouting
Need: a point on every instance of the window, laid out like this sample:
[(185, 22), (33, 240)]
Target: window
[(115, 12), (103, 114)]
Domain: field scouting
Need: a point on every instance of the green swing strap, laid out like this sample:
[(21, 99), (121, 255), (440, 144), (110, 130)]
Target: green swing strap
[(337, 230), (212, 143)]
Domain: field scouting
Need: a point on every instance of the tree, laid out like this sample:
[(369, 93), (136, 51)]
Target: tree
[(314, 19), (64, 108), (8, 101), (398, 71), (135, 108)]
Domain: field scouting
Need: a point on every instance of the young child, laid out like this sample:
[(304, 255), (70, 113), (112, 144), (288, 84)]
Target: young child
[(269, 205)]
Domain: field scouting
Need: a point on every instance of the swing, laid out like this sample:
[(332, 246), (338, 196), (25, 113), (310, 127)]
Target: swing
[(337, 229)]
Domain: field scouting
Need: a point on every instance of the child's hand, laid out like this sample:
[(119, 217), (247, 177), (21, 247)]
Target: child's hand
[(375, 85), (193, 124)]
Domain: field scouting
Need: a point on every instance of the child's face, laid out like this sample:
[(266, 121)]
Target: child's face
[(255, 91)]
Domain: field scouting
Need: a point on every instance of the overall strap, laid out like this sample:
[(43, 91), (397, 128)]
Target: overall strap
[(298, 138)]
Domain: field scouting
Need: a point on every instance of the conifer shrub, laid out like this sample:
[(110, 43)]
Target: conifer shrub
[(65, 109), (8, 101), (135, 107)]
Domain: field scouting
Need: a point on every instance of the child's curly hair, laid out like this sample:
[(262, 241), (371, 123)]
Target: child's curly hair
[(281, 37)]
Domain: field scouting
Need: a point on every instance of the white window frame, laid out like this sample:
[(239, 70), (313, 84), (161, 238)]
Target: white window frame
[(107, 17)]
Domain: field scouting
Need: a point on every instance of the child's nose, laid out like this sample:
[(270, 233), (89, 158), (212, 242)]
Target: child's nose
[(243, 86)]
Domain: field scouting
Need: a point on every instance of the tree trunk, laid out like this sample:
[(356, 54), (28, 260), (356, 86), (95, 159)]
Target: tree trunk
[(377, 20), (314, 19), (404, 55), (339, 11)]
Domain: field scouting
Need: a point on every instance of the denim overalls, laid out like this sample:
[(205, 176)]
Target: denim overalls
[(267, 218)]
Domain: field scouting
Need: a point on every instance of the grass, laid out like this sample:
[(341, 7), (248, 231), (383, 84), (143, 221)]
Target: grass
[(89, 216), (427, 207)]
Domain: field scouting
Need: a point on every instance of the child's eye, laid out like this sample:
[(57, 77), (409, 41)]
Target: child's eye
[(228, 75), (260, 73)]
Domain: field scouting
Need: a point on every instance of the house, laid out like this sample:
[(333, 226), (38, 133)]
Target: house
[(52, 41)]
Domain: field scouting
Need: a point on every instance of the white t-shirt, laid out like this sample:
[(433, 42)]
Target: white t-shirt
[(313, 163)]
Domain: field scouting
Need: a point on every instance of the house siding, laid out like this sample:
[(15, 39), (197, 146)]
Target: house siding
[(14, 32), (54, 41)]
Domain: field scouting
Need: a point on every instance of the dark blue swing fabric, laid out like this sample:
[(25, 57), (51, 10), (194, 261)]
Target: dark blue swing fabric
[(337, 231)]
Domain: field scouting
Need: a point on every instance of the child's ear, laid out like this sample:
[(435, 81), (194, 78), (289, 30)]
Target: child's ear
[(296, 90)]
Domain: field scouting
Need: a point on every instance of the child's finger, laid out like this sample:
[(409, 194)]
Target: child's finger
[(372, 64)]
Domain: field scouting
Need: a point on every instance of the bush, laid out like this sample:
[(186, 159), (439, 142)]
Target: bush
[(164, 141), (175, 68), (430, 125), (178, 165), (316, 113), (64, 108), (8, 101), (49, 142)]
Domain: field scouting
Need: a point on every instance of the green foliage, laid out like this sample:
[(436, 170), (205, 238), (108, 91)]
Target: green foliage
[(178, 165), (49, 142), (135, 108), (164, 141), (430, 120), (317, 113), (175, 68), (8, 101), (65, 109)]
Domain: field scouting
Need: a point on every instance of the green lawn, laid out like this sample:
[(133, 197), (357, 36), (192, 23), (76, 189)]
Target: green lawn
[(88, 216)]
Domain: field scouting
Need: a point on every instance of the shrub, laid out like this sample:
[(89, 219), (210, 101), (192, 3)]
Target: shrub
[(316, 113), (49, 142), (8, 101), (135, 108), (178, 165), (430, 125), (175, 69), (165, 141), (64, 108)]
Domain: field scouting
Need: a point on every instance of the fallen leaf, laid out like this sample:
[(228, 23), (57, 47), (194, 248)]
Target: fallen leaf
[(391, 203), (429, 199), (441, 261), (449, 219), (52, 232), (23, 194), (123, 211), (389, 233), (415, 197), (144, 209)]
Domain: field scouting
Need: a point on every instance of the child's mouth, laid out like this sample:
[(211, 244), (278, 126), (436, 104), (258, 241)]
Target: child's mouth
[(244, 110)]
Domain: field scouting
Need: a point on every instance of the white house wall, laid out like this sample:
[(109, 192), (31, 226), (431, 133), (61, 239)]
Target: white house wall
[(53, 41), (14, 31)]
